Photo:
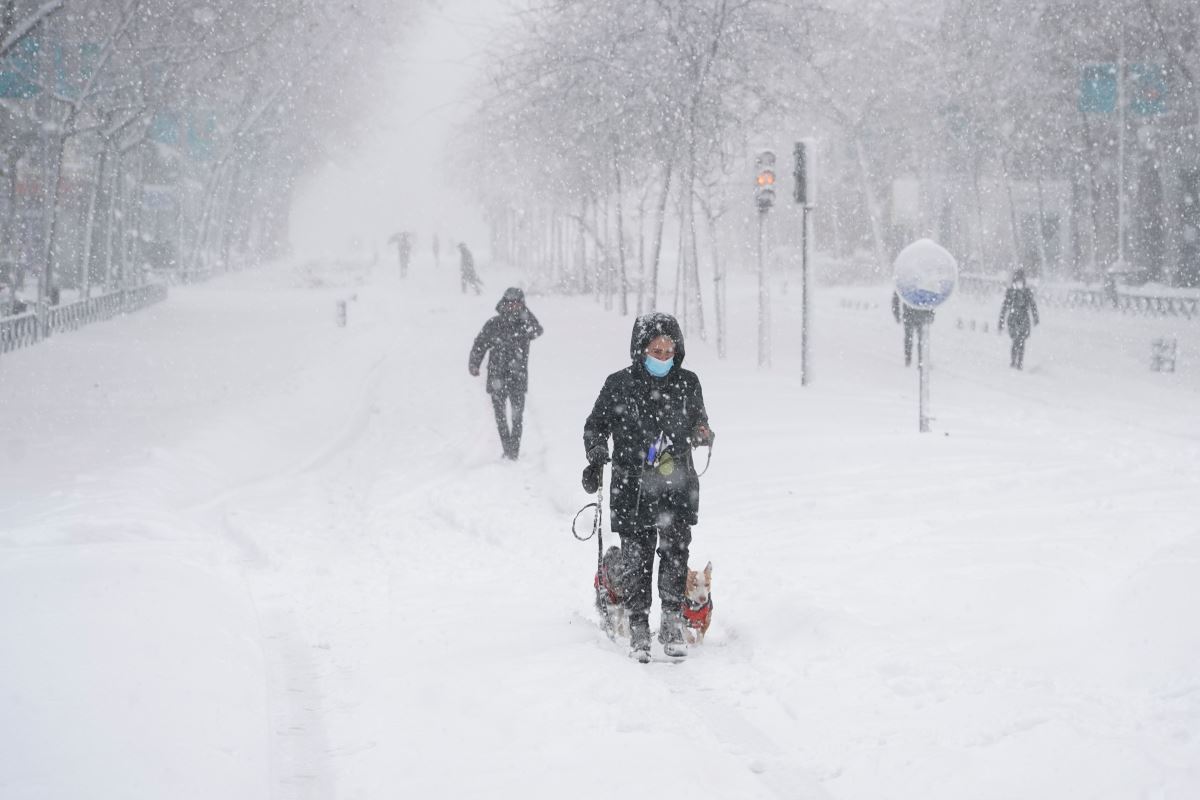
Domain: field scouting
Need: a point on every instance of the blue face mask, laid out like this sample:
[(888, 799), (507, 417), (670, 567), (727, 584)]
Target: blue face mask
[(658, 369)]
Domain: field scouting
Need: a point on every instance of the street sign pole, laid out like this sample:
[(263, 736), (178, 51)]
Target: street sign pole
[(925, 276), (923, 372)]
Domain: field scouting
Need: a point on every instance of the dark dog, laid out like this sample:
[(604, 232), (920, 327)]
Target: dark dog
[(610, 599)]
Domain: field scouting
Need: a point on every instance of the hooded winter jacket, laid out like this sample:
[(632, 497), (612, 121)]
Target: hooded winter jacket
[(505, 338), (1018, 310), (634, 408)]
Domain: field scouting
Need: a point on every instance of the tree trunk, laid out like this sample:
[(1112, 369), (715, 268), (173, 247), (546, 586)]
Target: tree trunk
[(677, 308), (52, 151), (719, 297), (1041, 232), (641, 254), (89, 225), (623, 276), (873, 210), (693, 301), (659, 224), (1012, 211), (111, 206)]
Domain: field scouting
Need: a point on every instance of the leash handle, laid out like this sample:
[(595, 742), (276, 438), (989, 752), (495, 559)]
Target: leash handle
[(597, 519)]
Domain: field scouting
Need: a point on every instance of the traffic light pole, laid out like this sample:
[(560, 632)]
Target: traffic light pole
[(805, 196), (804, 299), (764, 298)]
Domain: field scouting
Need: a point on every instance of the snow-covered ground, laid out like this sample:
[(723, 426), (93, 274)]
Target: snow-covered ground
[(246, 553)]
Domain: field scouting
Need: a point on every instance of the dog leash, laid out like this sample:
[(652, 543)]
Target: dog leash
[(597, 519), (597, 524), (707, 461)]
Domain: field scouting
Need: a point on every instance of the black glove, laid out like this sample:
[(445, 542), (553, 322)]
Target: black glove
[(592, 474), (598, 454), (703, 436)]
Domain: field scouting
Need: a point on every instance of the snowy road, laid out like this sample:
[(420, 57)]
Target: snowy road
[(250, 554)]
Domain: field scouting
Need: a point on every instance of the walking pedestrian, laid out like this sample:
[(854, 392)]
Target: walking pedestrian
[(1018, 311), (466, 268), (505, 340), (653, 410), (913, 319), (403, 241)]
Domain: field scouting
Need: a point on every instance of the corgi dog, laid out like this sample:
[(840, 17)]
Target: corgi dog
[(697, 604)]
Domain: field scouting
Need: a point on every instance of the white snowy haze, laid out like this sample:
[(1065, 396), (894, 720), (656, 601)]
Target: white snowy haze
[(397, 173), (258, 540)]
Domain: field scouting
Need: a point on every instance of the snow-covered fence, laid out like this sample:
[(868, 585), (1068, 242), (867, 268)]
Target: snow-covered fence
[(73, 316), (18, 330), (24, 329), (858, 305), (1186, 306), (969, 324), (142, 296)]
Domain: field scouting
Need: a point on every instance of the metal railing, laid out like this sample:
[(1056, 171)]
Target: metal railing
[(19, 330), (25, 329), (1113, 299)]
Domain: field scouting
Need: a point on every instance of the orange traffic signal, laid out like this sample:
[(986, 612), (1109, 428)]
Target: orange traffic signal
[(764, 180)]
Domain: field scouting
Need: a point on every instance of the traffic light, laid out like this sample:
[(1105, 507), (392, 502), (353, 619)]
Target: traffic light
[(805, 173), (764, 180)]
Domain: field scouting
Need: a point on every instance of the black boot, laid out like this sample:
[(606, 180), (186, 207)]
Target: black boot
[(670, 633), (639, 640)]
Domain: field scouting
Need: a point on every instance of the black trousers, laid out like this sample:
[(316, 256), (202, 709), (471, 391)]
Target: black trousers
[(510, 434), (671, 540), (473, 280), (1018, 347)]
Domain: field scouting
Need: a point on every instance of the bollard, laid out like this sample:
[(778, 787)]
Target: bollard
[(1162, 354), (341, 313)]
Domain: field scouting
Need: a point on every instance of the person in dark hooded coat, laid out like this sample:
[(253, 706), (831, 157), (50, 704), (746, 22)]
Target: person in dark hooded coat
[(1019, 312), (466, 269), (505, 340), (403, 241), (913, 319), (653, 410)]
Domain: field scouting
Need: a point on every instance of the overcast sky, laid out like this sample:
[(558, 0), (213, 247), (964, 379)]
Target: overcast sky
[(398, 179)]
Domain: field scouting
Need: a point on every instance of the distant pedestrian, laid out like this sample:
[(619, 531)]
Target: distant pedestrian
[(505, 340), (466, 267), (1020, 313), (403, 241), (1110, 289), (437, 251), (913, 319)]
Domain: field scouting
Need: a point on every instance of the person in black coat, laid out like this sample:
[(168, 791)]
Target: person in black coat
[(506, 337), (913, 318), (1019, 312), (403, 241), (653, 410), (466, 269)]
